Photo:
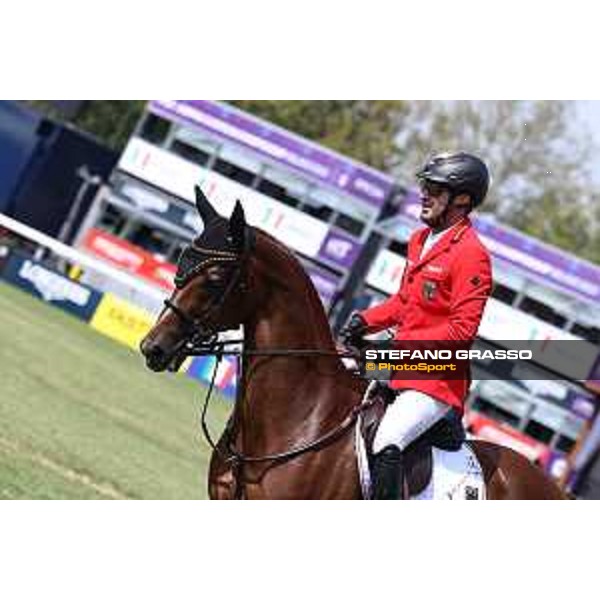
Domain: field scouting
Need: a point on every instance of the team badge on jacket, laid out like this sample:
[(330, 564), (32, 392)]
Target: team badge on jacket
[(429, 290)]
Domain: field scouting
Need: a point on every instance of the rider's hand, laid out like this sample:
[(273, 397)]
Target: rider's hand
[(354, 330)]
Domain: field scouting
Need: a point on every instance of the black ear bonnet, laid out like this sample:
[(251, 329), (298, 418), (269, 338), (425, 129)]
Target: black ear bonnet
[(222, 241)]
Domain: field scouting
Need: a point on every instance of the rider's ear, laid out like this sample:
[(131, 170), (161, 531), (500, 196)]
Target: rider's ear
[(237, 226), (463, 201)]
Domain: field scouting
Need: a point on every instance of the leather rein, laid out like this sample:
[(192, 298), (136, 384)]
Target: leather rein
[(201, 339)]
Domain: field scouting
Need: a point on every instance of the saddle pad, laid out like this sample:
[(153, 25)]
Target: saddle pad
[(456, 475)]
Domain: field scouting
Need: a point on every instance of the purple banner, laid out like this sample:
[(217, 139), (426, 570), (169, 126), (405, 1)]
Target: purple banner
[(340, 249), (325, 284), (278, 144), (581, 404), (545, 263)]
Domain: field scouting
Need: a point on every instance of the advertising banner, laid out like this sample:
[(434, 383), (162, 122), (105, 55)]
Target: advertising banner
[(299, 231), (50, 285), (386, 272), (503, 322), (202, 367), (122, 321), (340, 249), (125, 255), (131, 258), (280, 145)]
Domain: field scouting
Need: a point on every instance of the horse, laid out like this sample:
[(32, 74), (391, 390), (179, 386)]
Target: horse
[(290, 434)]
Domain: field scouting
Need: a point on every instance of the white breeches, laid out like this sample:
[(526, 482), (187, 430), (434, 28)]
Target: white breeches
[(410, 415)]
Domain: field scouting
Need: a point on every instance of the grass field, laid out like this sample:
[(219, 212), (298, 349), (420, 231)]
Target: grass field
[(82, 417)]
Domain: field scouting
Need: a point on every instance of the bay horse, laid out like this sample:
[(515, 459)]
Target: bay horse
[(290, 435)]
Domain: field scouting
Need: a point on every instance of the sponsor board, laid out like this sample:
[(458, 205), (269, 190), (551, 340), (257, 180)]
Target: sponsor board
[(50, 285), (280, 145), (129, 257), (386, 272), (340, 249), (202, 368), (122, 321), (299, 231)]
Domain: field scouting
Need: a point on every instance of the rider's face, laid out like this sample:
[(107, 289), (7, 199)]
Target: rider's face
[(434, 200)]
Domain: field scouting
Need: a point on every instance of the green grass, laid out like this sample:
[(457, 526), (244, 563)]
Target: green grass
[(82, 417)]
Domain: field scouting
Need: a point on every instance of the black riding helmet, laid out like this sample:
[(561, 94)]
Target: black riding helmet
[(462, 173)]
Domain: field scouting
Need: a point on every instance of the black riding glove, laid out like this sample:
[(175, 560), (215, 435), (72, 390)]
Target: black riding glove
[(354, 330)]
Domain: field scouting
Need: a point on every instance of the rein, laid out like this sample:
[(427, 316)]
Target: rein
[(239, 459)]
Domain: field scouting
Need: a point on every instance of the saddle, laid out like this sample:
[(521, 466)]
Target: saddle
[(447, 434)]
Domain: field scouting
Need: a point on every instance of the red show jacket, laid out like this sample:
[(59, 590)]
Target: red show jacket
[(441, 297)]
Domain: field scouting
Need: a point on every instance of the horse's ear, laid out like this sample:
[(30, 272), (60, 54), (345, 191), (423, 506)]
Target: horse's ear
[(237, 226), (205, 209)]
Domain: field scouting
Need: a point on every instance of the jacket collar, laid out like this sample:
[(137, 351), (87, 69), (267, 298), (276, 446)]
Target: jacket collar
[(451, 237)]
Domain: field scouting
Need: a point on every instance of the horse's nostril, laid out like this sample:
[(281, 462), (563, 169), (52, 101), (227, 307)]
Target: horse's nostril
[(155, 351), (151, 350), (157, 358)]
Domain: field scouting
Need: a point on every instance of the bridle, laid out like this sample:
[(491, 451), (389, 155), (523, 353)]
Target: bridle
[(201, 339), (202, 331)]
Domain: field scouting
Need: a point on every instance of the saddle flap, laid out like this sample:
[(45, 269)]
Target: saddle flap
[(370, 419)]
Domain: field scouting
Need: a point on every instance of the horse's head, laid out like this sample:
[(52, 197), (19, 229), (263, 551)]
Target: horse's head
[(211, 288)]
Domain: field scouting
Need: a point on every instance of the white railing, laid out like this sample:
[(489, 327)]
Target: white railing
[(97, 273)]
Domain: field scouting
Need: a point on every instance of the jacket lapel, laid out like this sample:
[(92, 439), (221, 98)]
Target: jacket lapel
[(441, 245), (414, 249)]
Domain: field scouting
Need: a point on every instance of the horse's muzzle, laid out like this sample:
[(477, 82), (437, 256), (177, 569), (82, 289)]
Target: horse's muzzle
[(157, 359)]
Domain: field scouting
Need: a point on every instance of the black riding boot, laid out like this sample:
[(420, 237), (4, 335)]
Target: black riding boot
[(388, 474)]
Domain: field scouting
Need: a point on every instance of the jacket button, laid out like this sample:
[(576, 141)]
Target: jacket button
[(411, 279)]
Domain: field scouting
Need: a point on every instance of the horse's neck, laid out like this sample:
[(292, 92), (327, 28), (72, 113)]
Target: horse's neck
[(295, 396), (291, 322), (291, 315)]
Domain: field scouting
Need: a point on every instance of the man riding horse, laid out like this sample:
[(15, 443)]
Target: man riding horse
[(444, 289), (292, 431)]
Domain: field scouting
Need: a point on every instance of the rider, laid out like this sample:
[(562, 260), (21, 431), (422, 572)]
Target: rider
[(444, 289)]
